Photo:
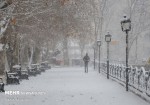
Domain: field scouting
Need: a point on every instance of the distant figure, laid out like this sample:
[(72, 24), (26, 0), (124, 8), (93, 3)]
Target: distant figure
[(86, 59)]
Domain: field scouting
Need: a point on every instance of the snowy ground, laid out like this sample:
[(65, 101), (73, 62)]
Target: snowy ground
[(70, 86)]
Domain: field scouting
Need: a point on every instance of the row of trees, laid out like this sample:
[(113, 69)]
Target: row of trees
[(39, 27), (48, 25), (138, 11)]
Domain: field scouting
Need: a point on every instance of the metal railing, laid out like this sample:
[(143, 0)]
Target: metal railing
[(139, 77)]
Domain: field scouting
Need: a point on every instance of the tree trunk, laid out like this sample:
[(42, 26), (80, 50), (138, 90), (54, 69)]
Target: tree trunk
[(65, 52)]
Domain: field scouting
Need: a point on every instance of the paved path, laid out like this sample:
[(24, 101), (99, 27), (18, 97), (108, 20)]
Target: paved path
[(70, 86)]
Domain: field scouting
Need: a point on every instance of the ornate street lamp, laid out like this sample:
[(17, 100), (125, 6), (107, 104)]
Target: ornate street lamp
[(108, 40), (126, 24), (99, 45), (126, 27)]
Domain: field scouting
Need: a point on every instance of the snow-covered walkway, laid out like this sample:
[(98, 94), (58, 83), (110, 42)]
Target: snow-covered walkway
[(70, 86)]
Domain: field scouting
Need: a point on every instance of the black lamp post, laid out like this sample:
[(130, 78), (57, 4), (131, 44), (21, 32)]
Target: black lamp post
[(108, 40), (94, 54), (99, 45), (126, 27)]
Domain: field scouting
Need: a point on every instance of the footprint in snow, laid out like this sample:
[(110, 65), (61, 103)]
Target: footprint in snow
[(72, 95), (43, 101), (81, 94)]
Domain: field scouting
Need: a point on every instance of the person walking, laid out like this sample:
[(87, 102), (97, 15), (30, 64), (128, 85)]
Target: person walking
[(86, 60)]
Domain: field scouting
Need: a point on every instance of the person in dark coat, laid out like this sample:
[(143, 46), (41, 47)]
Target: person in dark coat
[(86, 60)]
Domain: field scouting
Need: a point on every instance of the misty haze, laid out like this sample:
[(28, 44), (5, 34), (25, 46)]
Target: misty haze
[(74, 52)]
